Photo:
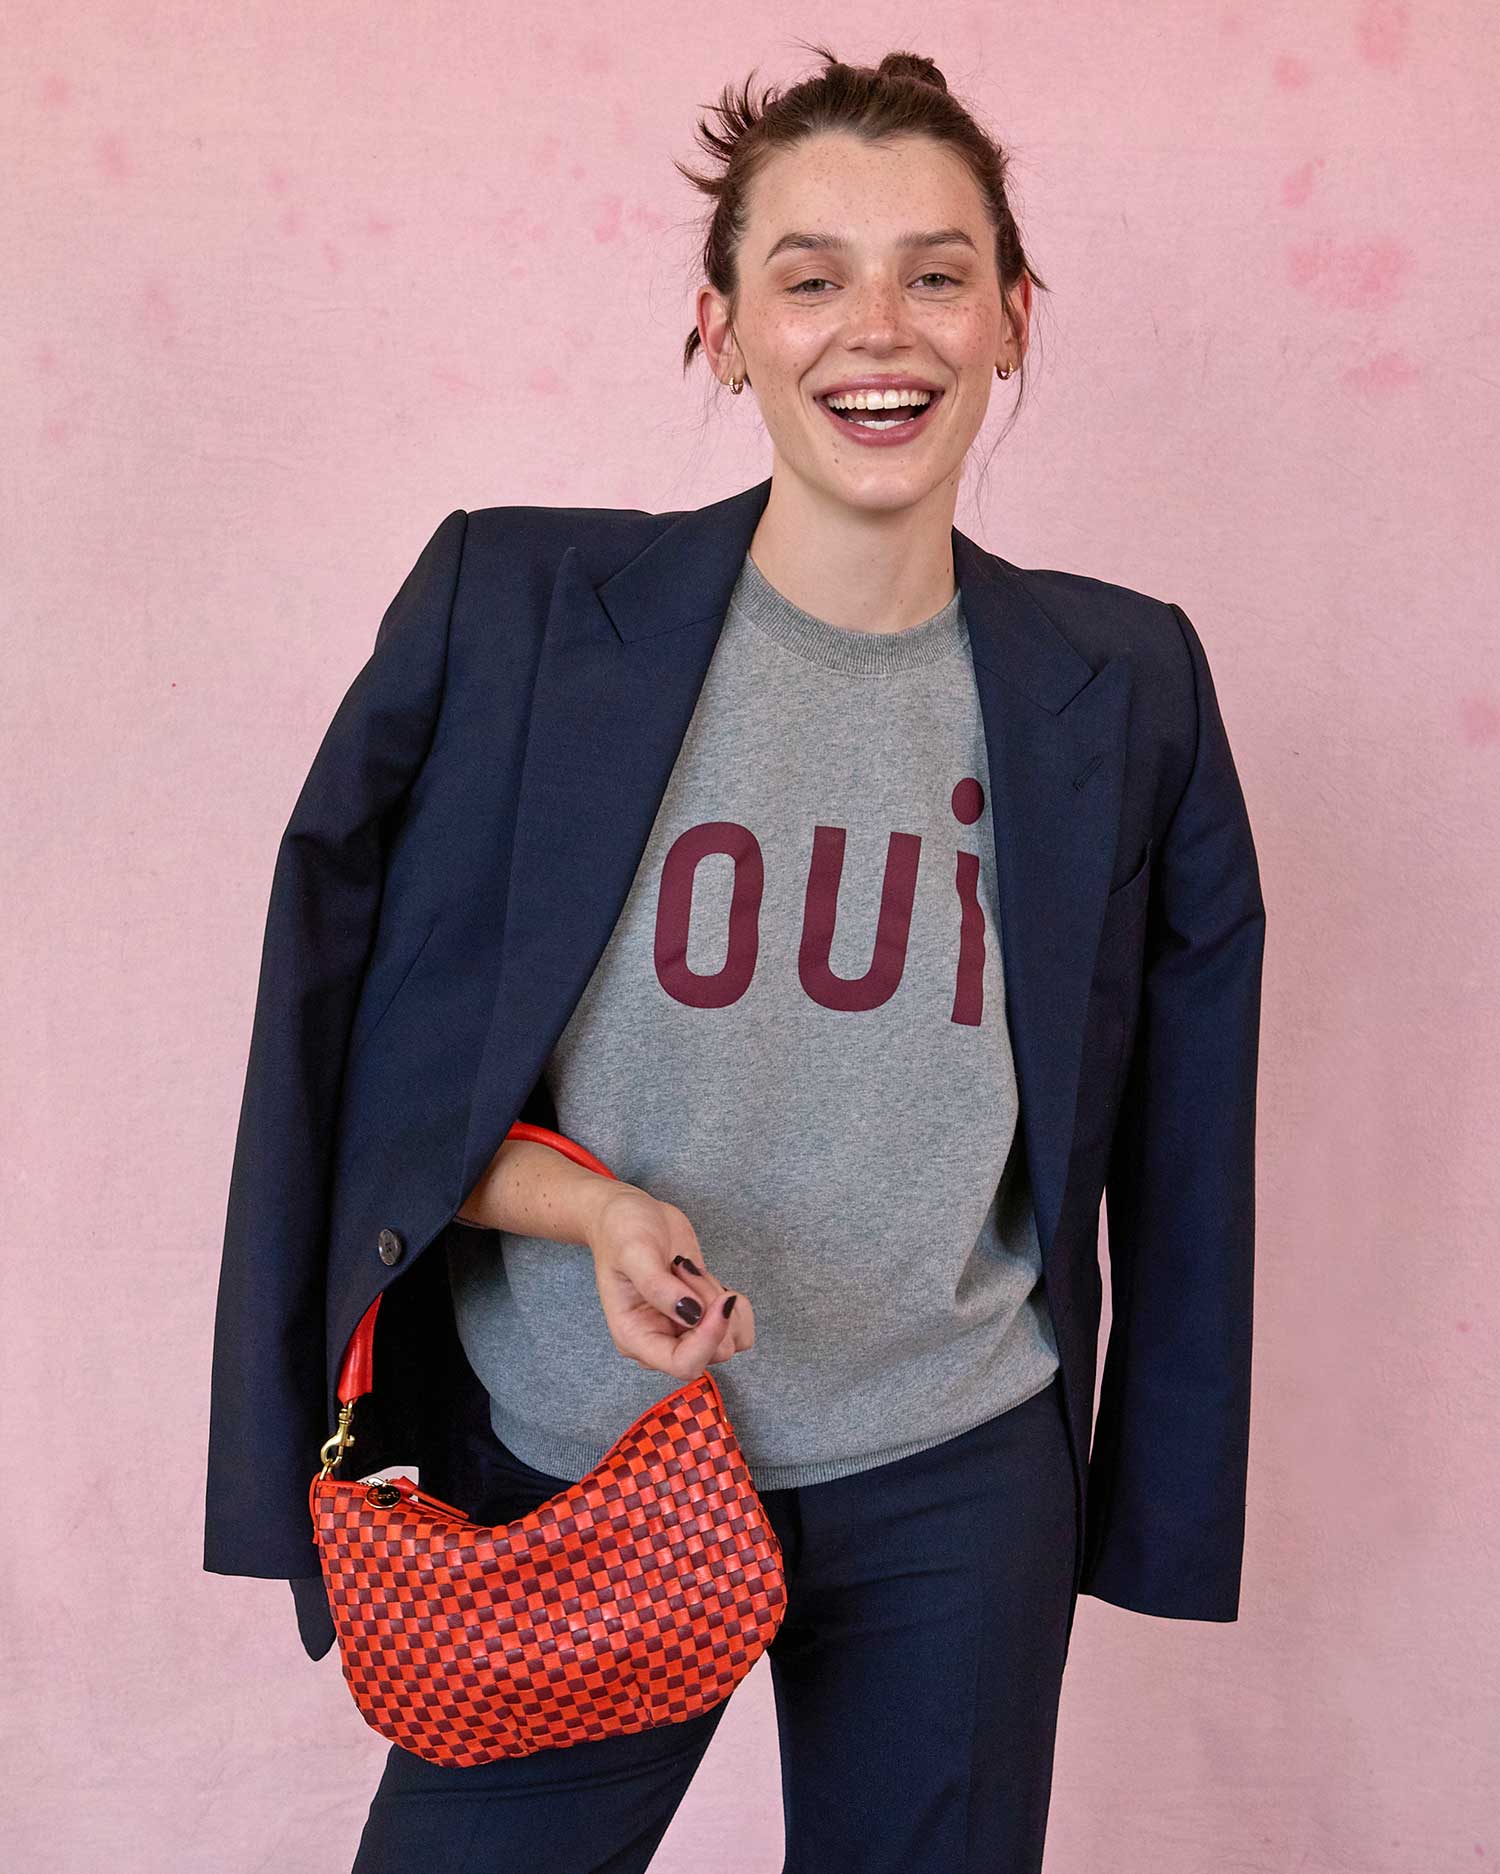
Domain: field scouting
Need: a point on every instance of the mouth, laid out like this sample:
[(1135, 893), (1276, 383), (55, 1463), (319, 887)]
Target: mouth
[(882, 428)]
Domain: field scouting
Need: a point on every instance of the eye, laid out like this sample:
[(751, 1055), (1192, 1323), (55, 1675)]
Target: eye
[(948, 278)]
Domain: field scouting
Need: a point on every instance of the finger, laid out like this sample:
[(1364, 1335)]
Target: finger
[(727, 1347), (706, 1284), (738, 1326), (647, 1336), (679, 1289), (740, 1322), (672, 1291)]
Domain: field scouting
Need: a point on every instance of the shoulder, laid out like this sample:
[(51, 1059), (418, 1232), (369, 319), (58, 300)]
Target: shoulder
[(511, 559), (1102, 620), (533, 539), (1171, 684)]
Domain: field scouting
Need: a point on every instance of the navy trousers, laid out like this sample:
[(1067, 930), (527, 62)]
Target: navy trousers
[(916, 1676)]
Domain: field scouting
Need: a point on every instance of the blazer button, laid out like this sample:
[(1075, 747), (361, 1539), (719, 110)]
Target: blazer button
[(391, 1246)]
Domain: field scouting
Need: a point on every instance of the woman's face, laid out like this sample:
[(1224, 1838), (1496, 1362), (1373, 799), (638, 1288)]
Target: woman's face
[(830, 294)]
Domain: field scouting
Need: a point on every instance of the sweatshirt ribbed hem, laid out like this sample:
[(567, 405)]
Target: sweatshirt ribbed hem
[(567, 1459)]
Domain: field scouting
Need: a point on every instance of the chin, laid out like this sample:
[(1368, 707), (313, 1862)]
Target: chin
[(882, 488)]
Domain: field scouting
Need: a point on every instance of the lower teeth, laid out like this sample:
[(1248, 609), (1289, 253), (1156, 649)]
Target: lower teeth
[(889, 422)]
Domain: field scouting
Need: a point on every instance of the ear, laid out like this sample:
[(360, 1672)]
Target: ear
[(1018, 320), (716, 335)]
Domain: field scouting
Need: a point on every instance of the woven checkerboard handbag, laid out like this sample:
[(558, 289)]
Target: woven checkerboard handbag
[(639, 1596)]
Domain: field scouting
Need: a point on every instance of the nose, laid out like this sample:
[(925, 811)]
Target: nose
[(876, 316)]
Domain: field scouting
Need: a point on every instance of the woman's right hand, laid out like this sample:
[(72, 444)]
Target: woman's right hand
[(648, 1302)]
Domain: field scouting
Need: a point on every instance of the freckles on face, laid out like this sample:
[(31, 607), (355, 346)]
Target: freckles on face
[(791, 345), (797, 355), (964, 337), (868, 261)]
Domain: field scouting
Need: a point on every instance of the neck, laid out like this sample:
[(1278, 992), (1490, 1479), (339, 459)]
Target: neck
[(865, 569)]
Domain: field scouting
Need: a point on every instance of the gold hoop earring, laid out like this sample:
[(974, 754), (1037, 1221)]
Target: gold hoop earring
[(1005, 373), (736, 385)]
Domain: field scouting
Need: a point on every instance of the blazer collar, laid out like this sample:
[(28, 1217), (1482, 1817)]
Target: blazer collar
[(686, 574), (619, 673)]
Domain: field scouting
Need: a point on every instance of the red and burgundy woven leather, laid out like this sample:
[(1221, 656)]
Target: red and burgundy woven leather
[(639, 1596)]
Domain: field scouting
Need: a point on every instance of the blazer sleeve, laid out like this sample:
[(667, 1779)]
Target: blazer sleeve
[(1165, 1513), (268, 1386)]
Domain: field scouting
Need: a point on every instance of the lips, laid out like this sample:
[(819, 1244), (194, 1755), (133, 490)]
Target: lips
[(901, 430)]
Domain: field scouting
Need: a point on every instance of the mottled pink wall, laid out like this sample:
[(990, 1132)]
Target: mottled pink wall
[(283, 286)]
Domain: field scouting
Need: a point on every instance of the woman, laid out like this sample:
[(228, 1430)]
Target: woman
[(873, 907)]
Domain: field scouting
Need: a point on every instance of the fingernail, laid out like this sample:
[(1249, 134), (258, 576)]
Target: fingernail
[(729, 1301), (681, 1262), (691, 1310)]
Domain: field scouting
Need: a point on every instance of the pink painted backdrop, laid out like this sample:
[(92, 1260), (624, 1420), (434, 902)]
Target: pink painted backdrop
[(283, 286)]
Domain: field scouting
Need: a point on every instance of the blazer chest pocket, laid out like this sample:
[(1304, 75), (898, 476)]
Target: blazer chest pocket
[(1132, 893), (1117, 962)]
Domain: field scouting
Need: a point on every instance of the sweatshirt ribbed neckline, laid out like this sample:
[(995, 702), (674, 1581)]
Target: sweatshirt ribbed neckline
[(839, 647)]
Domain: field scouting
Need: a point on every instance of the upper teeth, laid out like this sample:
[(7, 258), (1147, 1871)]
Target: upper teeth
[(876, 399)]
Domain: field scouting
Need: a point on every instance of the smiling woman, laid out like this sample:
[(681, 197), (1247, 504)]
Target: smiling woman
[(876, 908)]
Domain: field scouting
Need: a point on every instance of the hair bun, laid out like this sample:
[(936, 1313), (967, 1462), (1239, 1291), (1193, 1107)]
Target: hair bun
[(911, 65)]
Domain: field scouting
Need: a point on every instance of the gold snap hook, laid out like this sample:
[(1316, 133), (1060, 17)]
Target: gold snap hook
[(338, 1442)]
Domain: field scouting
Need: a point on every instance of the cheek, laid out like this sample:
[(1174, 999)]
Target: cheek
[(787, 343), (971, 342)]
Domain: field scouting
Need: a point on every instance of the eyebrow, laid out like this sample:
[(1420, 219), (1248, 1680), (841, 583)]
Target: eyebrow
[(821, 243)]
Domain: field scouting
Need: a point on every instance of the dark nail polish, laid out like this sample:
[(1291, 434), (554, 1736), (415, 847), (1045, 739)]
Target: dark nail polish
[(729, 1301), (681, 1262), (691, 1310)]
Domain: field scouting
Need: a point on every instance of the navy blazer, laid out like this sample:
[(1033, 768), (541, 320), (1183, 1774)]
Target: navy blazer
[(452, 870)]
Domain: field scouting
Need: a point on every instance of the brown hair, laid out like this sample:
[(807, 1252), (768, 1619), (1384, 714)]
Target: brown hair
[(905, 95)]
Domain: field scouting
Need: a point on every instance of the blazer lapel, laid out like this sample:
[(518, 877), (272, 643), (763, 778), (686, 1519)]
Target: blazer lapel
[(1054, 731), (619, 674)]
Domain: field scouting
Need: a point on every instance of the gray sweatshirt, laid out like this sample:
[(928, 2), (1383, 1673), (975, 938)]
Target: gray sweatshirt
[(797, 1033)]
